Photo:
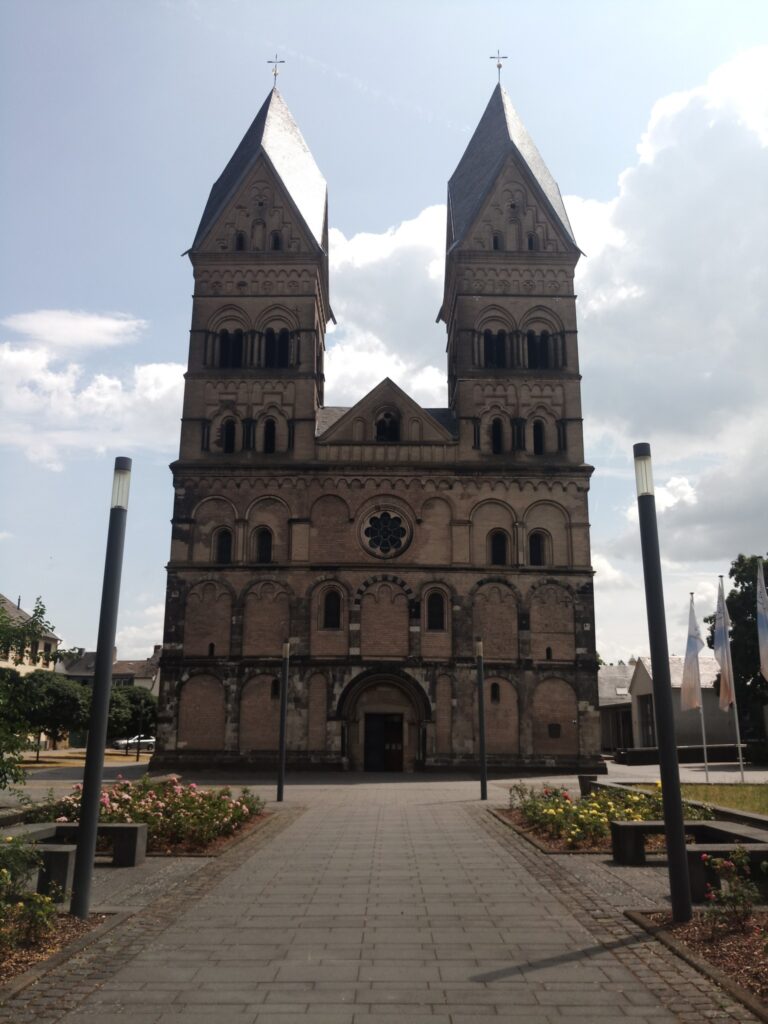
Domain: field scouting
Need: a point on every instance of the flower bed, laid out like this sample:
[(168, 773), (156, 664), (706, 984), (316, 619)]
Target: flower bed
[(568, 824), (26, 918), (180, 818)]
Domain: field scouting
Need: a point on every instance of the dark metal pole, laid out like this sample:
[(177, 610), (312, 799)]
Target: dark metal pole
[(679, 886), (481, 718), (102, 684), (283, 719)]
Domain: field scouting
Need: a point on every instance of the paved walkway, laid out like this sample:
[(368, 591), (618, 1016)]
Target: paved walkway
[(378, 901)]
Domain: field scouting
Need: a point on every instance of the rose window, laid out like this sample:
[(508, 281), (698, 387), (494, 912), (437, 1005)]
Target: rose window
[(385, 532)]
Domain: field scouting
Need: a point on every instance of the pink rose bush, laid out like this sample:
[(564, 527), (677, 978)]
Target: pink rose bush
[(177, 815)]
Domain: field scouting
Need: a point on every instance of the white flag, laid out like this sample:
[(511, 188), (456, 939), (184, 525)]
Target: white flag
[(690, 691), (762, 620), (723, 651)]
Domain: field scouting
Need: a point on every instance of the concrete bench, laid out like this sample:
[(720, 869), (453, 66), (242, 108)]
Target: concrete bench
[(700, 873), (129, 842), (628, 837), (57, 871)]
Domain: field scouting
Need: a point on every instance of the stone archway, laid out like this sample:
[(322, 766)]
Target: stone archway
[(383, 716)]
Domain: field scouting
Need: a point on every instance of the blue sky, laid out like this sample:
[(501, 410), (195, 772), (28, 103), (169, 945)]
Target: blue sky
[(118, 116)]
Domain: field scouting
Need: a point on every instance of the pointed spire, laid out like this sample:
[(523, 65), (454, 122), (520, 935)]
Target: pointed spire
[(275, 134), (499, 134)]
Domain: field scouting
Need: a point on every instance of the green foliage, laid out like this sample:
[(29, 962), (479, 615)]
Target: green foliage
[(25, 917), (177, 815), (555, 814), (54, 704), (14, 728), (751, 688), (17, 637), (732, 904), (132, 710)]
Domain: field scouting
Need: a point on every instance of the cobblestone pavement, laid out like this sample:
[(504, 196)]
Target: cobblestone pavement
[(379, 900)]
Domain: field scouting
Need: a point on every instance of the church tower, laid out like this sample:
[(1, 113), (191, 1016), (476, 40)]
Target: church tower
[(380, 540)]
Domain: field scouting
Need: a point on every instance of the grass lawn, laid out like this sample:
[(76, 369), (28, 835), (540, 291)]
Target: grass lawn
[(748, 796)]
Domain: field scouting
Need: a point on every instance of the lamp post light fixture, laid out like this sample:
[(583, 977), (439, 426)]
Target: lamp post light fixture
[(679, 886), (481, 718), (102, 685), (283, 721)]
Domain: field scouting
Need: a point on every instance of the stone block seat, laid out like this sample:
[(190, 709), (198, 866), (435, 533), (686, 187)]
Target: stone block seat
[(700, 873), (57, 870), (628, 837)]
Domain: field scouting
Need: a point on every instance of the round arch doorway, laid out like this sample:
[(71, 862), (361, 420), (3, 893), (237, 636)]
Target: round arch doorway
[(384, 718)]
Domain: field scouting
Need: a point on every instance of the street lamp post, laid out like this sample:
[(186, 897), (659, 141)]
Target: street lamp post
[(102, 684), (481, 718), (679, 887), (283, 721)]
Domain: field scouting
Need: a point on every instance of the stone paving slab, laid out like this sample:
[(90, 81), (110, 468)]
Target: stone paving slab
[(383, 902)]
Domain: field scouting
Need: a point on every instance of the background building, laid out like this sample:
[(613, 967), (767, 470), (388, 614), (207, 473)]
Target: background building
[(381, 539)]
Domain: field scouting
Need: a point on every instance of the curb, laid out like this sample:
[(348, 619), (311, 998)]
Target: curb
[(39, 970), (742, 995)]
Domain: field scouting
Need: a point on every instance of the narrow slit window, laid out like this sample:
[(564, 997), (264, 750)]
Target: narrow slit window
[(499, 548), (274, 690), (211, 650), (538, 437), (495, 693), (537, 549), (497, 436), (270, 433), (276, 241), (263, 546), (228, 431), (332, 610), (436, 611)]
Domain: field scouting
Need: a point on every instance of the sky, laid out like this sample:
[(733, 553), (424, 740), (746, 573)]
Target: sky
[(116, 117)]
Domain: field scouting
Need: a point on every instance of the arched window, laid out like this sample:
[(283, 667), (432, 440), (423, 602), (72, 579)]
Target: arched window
[(436, 611), (211, 650), (275, 241), (497, 436), (533, 242), (283, 348), (537, 549), (495, 693), (518, 434), (228, 429), (549, 654), (498, 241), (223, 549), (538, 350), (499, 548), (544, 360), (270, 348), (538, 437), (388, 427), (230, 349), (263, 546), (239, 241), (332, 609), (269, 436), (495, 349)]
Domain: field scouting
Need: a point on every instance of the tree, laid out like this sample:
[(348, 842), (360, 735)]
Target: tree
[(14, 729), (18, 636), (132, 710), (751, 688), (54, 704)]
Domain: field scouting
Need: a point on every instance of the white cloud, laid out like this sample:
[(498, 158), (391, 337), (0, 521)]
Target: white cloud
[(607, 576), (5, 535), (140, 630), (50, 409), (73, 329)]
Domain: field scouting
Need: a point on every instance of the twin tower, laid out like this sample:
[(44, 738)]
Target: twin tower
[(381, 540)]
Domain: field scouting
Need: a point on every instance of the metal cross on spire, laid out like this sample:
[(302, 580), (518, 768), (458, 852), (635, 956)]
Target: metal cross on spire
[(275, 71), (498, 58)]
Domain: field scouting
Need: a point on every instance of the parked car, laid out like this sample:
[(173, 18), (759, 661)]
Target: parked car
[(143, 743)]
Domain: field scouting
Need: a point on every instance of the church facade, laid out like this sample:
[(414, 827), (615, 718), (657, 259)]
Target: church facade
[(381, 541)]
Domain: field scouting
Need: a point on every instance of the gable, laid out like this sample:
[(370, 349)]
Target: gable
[(260, 206), (358, 424), (517, 214)]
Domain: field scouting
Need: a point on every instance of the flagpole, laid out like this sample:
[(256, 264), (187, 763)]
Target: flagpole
[(738, 737), (726, 641), (704, 741)]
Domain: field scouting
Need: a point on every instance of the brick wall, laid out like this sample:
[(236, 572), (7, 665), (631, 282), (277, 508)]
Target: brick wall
[(384, 622), (495, 622), (554, 704), (318, 691), (201, 714), (443, 714), (501, 719), (266, 620), (208, 620), (552, 624), (259, 715)]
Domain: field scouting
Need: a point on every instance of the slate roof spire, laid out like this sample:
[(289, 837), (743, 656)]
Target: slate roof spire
[(499, 134), (275, 134)]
